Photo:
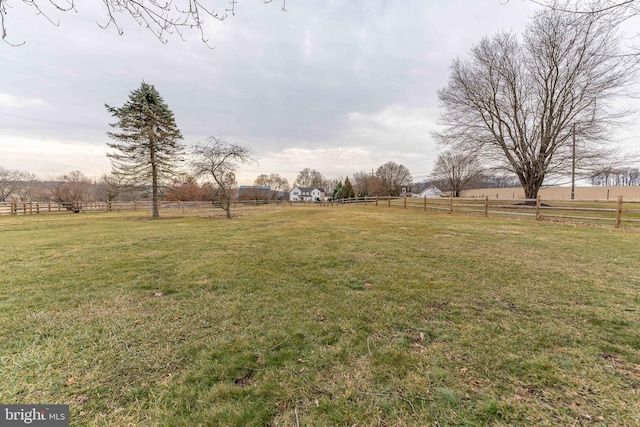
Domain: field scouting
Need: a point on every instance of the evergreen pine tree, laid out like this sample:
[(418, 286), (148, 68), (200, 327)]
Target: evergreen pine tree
[(347, 189), (148, 142)]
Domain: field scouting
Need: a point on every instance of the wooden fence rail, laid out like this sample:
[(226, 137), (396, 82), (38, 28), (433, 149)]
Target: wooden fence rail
[(35, 208), (617, 212)]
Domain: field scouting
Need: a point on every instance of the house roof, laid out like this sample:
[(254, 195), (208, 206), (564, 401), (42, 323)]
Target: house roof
[(254, 189), (308, 189), (432, 189)]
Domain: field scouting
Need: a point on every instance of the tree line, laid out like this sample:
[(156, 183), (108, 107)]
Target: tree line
[(617, 177)]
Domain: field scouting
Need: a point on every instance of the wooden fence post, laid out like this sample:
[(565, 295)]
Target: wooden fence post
[(376, 200), (24, 208), (14, 208), (38, 208), (486, 205), (538, 208), (405, 202), (451, 203), (619, 212), (389, 200)]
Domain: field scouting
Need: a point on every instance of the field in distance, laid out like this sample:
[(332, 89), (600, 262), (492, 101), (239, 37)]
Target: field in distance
[(317, 316), (559, 193)]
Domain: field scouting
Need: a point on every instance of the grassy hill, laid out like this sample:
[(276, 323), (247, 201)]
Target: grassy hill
[(320, 316)]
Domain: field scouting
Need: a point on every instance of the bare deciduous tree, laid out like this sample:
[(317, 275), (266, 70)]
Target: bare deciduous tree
[(393, 178), (110, 186), (161, 17), (310, 178), (220, 160), (276, 182), (70, 189), (11, 181), (361, 183), (30, 187), (184, 187), (457, 170), (524, 106)]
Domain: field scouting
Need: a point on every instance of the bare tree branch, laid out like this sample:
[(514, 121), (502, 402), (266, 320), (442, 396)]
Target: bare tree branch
[(457, 170), (616, 12), (162, 17)]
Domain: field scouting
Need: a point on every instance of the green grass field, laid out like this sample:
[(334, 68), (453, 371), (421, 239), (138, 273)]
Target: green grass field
[(321, 316)]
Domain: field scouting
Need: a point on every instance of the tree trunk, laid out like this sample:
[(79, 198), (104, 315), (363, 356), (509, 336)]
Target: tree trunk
[(154, 192), (531, 186), (227, 207)]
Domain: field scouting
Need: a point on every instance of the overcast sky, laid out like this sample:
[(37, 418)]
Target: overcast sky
[(334, 85)]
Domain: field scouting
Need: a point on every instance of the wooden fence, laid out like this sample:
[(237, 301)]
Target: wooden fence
[(618, 213), (36, 208), (615, 213)]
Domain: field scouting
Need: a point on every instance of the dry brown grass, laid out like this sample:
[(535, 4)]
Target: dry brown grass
[(559, 193)]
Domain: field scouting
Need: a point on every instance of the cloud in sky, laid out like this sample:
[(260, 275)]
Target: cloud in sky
[(331, 85)]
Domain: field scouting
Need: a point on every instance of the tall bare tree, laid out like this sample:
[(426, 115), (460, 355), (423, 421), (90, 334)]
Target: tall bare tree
[(533, 106), (109, 186), (12, 180), (276, 182), (30, 187), (457, 170), (70, 189), (361, 183), (147, 147), (219, 159), (310, 178), (184, 187), (393, 178), (162, 17)]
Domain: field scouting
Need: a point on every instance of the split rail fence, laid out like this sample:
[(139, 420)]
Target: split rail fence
[(36, 208), (619, 212)]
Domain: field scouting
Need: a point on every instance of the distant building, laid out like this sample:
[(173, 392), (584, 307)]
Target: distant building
[(431, 192), (252, 192), (302, 194)]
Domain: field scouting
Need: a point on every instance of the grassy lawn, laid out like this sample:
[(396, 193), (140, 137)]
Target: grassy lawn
[(320, 316)]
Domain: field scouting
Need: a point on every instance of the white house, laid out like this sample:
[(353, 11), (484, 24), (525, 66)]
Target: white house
[(431, 192), (302, 194)]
